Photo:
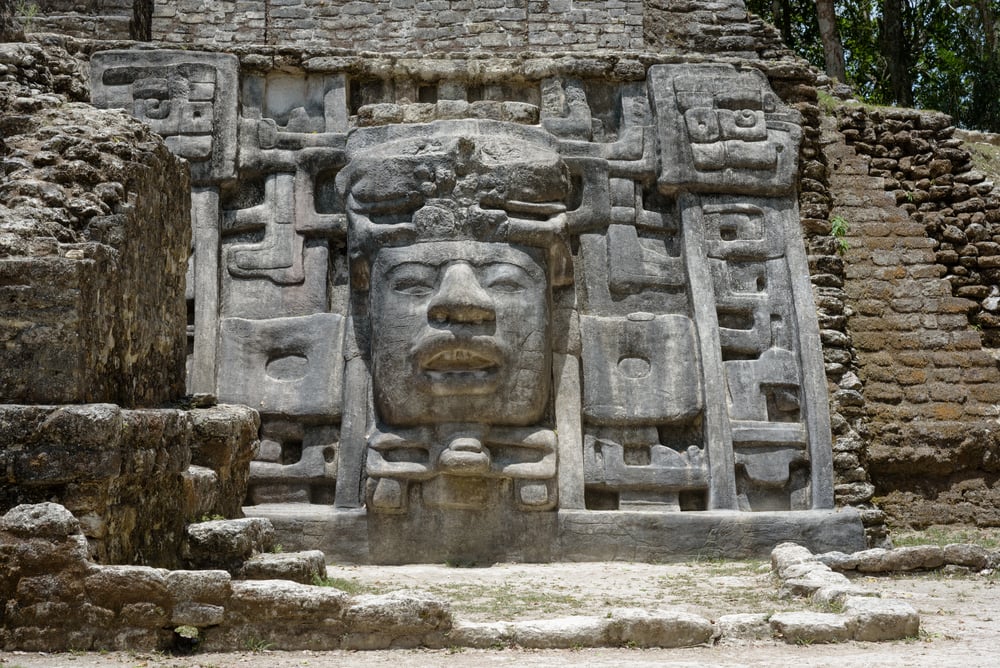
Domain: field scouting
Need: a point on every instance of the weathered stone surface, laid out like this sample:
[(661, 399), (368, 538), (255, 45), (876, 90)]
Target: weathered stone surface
[(657, 628), (226, 544), (561, 633), (882, 619), (41, 520), (965, 554), (398, 613), (98, 460), (744, 626), (303, 567), (92, 201), (812, 627), (278, 599), (449, 233)]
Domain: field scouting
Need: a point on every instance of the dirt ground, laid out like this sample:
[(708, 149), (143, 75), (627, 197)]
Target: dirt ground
[(960, 618)]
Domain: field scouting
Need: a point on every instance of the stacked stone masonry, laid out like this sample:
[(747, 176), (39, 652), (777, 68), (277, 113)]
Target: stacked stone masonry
[(905, 367), (93, 201), (917, 256), (94, 241), (56, 599), (102, 462), (406, 25)]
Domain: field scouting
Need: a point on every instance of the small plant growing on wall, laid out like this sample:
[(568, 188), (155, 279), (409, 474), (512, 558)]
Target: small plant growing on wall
[(838, 230), (26, 13)]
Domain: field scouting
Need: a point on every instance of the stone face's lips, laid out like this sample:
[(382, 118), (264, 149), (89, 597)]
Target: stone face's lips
[(465, 365), (458, 359)]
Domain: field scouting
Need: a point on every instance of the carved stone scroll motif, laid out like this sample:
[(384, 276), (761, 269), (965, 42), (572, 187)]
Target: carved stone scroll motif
[(184, 96), (723, 130)]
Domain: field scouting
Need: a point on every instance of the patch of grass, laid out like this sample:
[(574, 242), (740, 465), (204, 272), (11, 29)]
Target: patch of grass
[(944, 535), (505, 601), (828, 103), (26, 13), (256, 645), (985, 157)]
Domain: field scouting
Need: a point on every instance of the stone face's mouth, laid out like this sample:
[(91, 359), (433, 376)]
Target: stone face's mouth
[(459, 359), (460, 366)]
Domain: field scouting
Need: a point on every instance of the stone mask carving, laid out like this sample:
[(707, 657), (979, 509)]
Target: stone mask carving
[(460, 333), (450, 233)]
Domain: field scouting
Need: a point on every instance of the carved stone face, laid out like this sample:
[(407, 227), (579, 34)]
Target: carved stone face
[(460, 333)]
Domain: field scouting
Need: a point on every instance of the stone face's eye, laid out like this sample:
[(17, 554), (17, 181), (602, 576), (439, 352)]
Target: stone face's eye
[(503, 277), (413, 279)]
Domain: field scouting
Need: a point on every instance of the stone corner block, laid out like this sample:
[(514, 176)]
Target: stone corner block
[(813, 627), (882, 619), (226, 544), (302, 567)]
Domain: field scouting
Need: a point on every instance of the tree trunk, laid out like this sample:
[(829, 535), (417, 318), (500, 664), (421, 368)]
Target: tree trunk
[(986, 15), (833, 50), (781, 14), (896, 51)]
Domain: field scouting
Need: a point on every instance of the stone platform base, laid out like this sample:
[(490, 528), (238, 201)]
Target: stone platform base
[(569, 535)]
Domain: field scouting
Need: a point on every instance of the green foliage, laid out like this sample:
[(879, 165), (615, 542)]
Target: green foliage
[(838, 230), (26, 13), (187, 631), (950, 52), (255, 644)]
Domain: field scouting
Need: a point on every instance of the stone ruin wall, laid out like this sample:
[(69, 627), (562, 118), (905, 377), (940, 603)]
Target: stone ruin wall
[(922, 258), (93, 202), (722, 28)]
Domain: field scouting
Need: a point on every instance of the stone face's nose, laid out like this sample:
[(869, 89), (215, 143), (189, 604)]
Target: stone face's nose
[(460, 298)]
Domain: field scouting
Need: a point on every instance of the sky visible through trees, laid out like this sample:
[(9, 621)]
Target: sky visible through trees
[(930, 54)]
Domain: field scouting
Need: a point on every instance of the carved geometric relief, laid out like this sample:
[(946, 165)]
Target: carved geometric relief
[(631, 370), (451, 462), (295, 463), (641, 471), (278, 256), (284, 366), (722, 130), (186, 97), (276, 252)]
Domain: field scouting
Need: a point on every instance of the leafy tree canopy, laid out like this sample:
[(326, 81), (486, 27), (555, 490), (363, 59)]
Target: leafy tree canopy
[(933, 54)]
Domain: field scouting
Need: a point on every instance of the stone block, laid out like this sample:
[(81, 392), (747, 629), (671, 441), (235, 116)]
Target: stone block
[(879, 619), (184, 96), (226, 544), (303, 567), (812, 627), (289, 367), (277, 603), (657, 628), (560, 633), (744, 626)]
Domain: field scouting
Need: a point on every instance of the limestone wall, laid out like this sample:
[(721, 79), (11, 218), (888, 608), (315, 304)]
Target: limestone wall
[(405, 25), (918, 257), (94, 240), (93, 207), (89, 19), (134, 478)]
